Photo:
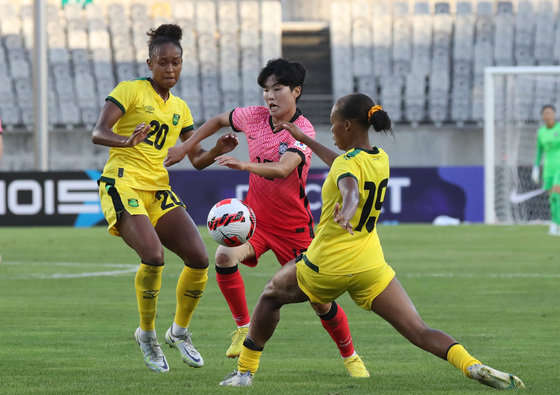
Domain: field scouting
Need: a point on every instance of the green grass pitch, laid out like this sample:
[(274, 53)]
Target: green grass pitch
[(68, 313)]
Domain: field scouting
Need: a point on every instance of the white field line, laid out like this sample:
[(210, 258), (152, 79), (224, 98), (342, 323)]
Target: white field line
[(492, 275), (458, 275), (123, 265), (132, 268), (125, 268)]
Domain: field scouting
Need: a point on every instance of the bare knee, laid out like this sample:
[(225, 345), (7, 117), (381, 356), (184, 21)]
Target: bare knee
[(223, 259), (321, 308), (417, 331), (283, 290), (231, 256), (198, 260), (152, 256), (272, 290)]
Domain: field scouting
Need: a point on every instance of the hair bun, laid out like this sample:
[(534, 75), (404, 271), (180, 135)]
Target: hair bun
[(169, 30)]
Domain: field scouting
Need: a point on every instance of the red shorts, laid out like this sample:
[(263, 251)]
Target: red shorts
[(286, 245)]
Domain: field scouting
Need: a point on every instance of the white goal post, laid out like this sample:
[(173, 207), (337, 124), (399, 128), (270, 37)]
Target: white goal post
[(513, 98)]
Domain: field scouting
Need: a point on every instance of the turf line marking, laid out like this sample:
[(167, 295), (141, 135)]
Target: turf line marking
[(493, 275), (126, 268), (81, 275), (122, 265)]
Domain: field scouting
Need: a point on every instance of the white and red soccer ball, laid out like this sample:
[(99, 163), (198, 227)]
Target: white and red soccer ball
[(231, 222)]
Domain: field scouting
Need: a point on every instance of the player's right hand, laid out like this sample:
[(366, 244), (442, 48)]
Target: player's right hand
[(535, 174), (292, 128), (138, 135), (227, 143)]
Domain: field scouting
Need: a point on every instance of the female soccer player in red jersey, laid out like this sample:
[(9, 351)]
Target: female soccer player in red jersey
[(278, 173), (140, 120)]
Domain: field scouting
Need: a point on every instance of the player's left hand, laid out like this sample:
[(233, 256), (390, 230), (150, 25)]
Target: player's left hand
[(535, 174), (229, 161), (227, 143), (340, 220), (174, 155)]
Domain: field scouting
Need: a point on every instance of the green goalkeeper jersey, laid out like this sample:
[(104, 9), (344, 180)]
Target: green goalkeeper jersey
[(548, 142)]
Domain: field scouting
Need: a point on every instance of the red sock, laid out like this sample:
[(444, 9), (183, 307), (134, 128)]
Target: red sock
[(233, 288), (336, 323)]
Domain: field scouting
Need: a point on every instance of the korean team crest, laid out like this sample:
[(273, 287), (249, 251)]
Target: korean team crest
[(283, 147), (176, 119)]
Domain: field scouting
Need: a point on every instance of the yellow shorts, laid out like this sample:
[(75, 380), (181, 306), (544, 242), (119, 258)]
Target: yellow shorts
[(115, 199), (363, 287)]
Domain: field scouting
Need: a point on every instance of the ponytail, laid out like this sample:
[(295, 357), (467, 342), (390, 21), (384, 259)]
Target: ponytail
[(363, 109), (379, 119)]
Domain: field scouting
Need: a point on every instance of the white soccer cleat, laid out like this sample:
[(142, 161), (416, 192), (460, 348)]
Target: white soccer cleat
[(183, 343), (153, 356), (554, 229), (237, 379), (494, 378)]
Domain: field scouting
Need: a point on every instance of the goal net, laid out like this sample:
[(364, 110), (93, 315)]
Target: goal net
[(513, 98)]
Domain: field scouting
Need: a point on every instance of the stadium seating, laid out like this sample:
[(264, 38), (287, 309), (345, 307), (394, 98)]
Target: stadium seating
[(424, 59), (91, 48)]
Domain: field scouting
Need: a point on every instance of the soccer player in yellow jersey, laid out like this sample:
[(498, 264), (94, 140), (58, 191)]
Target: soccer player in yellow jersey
[(346, 256), (140, 120)]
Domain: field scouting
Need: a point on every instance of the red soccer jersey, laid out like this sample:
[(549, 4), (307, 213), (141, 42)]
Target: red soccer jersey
[(280, 204)]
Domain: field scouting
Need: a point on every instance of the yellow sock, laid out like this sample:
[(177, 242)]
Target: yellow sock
[(190, 288), (147, 284), (460, 358), (248, 360)]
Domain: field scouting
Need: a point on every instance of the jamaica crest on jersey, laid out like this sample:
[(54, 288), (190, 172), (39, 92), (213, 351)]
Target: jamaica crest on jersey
[(282, 147)]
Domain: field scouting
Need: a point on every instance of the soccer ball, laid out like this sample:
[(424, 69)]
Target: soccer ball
[(231, 222)]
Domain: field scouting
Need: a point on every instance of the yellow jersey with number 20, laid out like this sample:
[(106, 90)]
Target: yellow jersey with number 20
[(333, 250), (141, 166)]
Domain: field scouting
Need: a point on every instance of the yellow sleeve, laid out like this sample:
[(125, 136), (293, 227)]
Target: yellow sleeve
[(188, 122), (124, 95), (343, 167)]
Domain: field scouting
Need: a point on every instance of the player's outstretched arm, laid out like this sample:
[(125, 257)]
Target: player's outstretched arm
[(281, 169), (208, 128), (103, 134), (200, 158), (324, 153)]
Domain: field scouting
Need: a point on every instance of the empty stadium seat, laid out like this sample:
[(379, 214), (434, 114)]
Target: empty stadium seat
[(544, 33), (524, 37), (11, 114), (421, 39), (228, 17), (504, 34), (391, 95), (271, 30), (415, 98), (341, 52)]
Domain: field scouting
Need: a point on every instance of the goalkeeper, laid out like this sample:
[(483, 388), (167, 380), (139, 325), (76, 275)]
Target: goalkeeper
[(548, 142)]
